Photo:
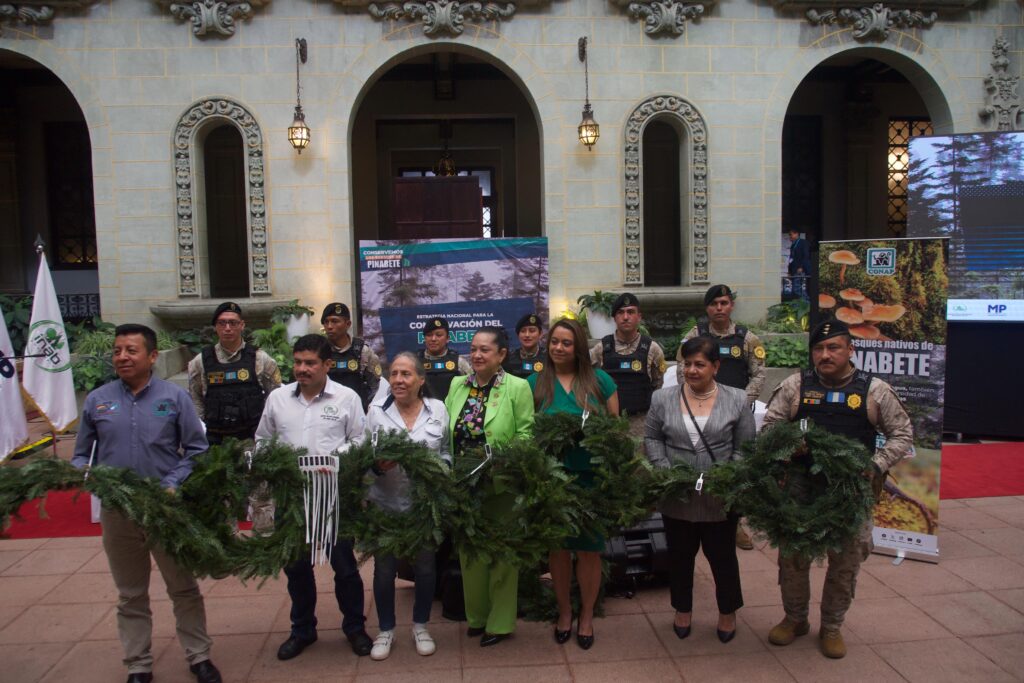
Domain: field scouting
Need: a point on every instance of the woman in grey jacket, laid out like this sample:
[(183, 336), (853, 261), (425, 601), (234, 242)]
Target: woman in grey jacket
[(699, 422), (404, 408)]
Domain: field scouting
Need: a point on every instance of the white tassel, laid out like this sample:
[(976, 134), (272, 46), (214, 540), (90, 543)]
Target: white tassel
[(320, 498)]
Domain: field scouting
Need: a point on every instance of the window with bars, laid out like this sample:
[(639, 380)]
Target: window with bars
[(901, 130), (69, 194), (484, 176)]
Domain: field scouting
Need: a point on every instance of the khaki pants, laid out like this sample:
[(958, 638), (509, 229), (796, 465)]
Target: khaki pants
[(840, 582), (129, 558)]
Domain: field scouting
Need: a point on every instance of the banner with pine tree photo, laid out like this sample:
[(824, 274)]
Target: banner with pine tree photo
[(892, 294)]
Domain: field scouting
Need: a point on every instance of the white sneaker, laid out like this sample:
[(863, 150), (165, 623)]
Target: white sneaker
[(424, 643), (382, 645)]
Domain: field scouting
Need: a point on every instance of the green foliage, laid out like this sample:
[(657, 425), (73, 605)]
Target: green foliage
[(536, 596), (598, 301), (18, 485), (274, 341), (90, 372), (782, 352), (17, 316), (378, 531), (195, 338), (789, 316), (280, 314), (93, 345), (514, 507)]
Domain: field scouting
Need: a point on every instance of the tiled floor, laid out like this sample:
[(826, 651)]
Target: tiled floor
[(961, 619)]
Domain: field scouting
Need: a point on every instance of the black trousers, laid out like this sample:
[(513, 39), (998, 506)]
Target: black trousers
[(719, 542), (348, 590)]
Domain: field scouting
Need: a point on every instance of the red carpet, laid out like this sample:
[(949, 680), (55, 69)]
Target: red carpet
[(65, 517), (982, 470)]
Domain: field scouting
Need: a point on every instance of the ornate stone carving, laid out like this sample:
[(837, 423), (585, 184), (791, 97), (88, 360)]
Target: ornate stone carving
[(199, 114), (443, 16), (1002, 108), (665, 16), (940, 6), (37, 12), (872, 22), (212, 16), (696, 141)]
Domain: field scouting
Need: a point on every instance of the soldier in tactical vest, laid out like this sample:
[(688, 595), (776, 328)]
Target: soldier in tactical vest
[(847, 401), (741, 354), (635, 361), (530, 357), (229, 381), (439, 362), (356, 366), (740, 350)]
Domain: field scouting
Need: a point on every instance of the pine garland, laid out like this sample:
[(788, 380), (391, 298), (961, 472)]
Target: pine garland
[(806, 504), (379, 531), (18, 485), (515, 508)]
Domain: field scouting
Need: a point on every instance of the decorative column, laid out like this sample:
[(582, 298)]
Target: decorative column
[(1002, 108)]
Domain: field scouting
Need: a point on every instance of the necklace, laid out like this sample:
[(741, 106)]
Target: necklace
[(701, 398)]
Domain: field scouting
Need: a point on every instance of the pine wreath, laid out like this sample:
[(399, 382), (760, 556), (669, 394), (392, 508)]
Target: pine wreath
[(621, 495), (806, 492), (379, 531), (515, 507)]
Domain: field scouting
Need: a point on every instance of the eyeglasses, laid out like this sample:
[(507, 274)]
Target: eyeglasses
[(229, 323)]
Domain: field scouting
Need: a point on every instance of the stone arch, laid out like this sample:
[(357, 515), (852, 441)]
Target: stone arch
[(200, 116), (695, 143)]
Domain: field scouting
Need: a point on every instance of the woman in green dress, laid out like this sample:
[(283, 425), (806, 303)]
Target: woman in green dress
[(570, 384)]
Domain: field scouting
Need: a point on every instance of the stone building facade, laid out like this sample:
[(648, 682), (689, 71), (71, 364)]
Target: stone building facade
[(152, 78)]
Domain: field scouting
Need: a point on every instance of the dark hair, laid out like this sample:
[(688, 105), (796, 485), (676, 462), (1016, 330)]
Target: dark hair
[(499, 334), (315, 343), (706, 346), (585, 388), (132, 328)]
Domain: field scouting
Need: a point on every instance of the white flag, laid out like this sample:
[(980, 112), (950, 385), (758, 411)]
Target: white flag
[(48, 379), (13, 428)]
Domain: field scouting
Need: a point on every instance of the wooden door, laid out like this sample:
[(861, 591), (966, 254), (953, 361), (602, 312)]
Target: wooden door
[(435, 208)]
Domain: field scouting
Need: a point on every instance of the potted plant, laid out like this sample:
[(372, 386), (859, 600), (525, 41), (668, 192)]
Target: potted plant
[(294, 316), (598, 309)]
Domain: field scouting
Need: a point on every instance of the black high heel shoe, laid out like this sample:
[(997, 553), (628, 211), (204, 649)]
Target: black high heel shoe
[(726, 636), (562, 637), (585, 642), (681, 631)]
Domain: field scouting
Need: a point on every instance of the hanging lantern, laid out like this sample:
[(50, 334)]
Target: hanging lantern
[(298, 132), (588, 130)]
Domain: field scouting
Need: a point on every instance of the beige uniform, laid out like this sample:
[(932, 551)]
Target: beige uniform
[(267, 374), (752, 348), (886, 413), (655, 370)]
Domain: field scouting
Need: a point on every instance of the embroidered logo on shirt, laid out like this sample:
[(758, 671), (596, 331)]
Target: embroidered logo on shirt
[(853, 400), (353, 365), (329, 413), (104, 408), (165, 409)]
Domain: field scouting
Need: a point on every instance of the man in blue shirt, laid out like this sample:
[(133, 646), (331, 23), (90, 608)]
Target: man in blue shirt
[(145, 424)]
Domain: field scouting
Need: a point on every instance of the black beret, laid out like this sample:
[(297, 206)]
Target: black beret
[(716, 291), (827, 330), (436, 324), (527, 320), (338, 309), (623, 300), (226, 307)]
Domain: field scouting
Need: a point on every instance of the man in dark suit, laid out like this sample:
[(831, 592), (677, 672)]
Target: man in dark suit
[(799, 262)]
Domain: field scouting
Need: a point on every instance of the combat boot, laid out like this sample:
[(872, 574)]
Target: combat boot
[(832, 645), (786, 631)]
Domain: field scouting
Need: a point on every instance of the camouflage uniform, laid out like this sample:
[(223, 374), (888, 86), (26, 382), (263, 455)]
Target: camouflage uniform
[(885, 411), (656, 367)]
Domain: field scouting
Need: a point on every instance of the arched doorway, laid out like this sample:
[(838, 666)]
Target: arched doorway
[(844, 146), (437, 113), (46, 186)]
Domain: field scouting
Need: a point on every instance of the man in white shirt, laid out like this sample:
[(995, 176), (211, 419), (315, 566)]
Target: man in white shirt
[(321, 416)]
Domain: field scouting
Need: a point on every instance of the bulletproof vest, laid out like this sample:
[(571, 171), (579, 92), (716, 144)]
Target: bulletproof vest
[(516, 365), (630, 374), (733, 371), (840, 411), (347, 370), (234, 398), (440, 372)]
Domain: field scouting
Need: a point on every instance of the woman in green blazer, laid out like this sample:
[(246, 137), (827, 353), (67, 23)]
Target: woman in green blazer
[(493, 407)]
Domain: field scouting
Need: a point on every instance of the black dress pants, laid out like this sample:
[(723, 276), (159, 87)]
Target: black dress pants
[(348, 590), (718, 540)]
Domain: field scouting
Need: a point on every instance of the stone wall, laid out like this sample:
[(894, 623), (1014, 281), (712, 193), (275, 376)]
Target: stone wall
[(135, 69)]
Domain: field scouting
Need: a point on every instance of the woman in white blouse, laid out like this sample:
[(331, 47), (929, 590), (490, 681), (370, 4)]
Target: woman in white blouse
[(700, 422), (425, 420)]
